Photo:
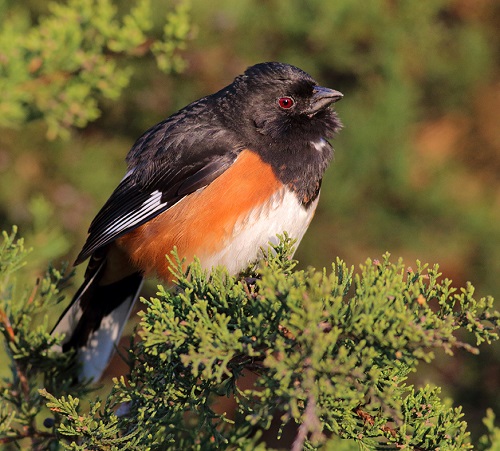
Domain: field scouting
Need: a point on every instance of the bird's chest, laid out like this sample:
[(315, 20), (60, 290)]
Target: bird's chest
[(226, 223), (243, 242)]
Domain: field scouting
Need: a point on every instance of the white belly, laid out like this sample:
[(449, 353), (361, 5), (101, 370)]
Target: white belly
[(283, 213)]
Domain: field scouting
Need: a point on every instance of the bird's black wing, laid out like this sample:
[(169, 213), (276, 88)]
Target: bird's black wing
[(166, 164)]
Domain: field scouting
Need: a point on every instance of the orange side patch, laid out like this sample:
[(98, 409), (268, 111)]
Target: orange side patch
[(200, 223)]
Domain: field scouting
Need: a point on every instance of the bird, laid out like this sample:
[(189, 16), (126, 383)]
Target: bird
[(220, 179)]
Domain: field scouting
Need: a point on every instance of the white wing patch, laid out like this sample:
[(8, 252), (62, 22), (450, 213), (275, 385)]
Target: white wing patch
[(148, 207)]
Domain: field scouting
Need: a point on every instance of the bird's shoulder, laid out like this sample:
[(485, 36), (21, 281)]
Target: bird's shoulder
[(171, 160)]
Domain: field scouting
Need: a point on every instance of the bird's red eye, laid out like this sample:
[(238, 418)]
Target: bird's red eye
[(286, 102)]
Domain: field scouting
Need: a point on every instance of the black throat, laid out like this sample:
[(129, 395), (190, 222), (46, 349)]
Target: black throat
[(301, 159)]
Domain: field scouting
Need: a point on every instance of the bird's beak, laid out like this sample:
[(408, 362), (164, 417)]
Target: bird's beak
[(322, 98)]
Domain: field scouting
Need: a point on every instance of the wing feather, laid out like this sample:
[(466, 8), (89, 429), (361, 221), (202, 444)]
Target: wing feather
[(131, 204), (171, 160)]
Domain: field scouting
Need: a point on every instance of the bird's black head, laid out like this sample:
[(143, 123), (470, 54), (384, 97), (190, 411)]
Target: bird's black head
[(280, 104), (279, 111)]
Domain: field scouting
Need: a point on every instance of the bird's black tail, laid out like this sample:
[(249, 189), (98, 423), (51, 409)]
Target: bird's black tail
[(94, 321)]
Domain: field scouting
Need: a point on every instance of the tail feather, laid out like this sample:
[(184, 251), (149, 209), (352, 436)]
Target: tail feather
[(94, 321)]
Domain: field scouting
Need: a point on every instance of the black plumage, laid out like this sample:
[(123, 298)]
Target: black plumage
[(274, 112), (191, 148)]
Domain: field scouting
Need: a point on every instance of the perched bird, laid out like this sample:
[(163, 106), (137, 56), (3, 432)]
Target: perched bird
[(219, 179)]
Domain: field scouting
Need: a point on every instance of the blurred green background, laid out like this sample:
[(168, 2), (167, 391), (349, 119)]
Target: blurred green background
[(417, 165)]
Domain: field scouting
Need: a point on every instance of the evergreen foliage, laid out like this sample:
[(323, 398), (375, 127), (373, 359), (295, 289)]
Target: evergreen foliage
[(418, 157), (58, 69), (330, 351)]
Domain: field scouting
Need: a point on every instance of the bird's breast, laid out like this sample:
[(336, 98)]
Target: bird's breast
[(225, 223), (259, 227)]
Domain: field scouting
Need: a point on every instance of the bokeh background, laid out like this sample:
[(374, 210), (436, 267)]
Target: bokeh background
[(417, 165)]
